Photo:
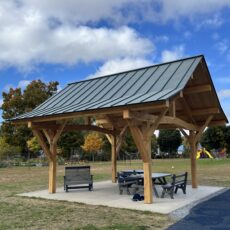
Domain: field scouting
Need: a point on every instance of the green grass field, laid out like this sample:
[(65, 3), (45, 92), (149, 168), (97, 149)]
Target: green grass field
[(30, 213)]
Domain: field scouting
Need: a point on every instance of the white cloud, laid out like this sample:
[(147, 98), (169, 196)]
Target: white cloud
[(119, 11), (1, 102), (171, 55), (39, 33), (23, 83), (119, 65), (65, 32), (7, 87), (224, 93), (162, 38), (86, 11), (173, 10), (222, 46)]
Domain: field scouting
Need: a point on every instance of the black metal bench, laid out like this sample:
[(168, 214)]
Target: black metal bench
[(78, 177), (178, 182), (126, 180)]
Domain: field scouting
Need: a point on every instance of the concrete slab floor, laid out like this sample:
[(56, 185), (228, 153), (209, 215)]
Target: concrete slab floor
[(106, 193)]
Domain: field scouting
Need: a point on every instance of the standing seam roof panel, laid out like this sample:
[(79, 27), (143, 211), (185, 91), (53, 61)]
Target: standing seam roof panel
[(153, 83)]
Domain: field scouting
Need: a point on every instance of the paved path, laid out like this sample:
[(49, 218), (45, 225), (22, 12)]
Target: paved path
[(213, 214)]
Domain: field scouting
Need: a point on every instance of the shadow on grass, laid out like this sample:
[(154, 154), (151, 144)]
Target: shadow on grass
[(114, 227)]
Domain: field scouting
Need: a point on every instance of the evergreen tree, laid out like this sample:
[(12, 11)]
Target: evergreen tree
[(169, 141)]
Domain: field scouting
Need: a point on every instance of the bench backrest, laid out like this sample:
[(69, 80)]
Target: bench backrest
[(77, 175), (179, 179)]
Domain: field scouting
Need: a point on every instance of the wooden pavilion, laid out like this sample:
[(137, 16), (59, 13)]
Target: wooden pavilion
[(178, 94)]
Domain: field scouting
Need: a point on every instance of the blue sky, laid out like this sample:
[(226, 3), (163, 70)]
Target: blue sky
[(72, 40)]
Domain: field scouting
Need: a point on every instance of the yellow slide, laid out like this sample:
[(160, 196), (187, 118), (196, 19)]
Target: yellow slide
[(203, 152)]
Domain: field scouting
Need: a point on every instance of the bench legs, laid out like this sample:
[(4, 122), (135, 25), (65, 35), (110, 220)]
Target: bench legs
[(168, 190), (183, 187)]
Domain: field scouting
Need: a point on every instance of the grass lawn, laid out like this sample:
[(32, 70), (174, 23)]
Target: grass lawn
[(30, 213)]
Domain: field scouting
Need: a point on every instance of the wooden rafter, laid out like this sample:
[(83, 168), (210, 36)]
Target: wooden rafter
[(197, 89), (206, 111), (187, 109)]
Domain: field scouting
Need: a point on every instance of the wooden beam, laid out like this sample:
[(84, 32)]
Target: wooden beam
[(184, 133), (109, 138), (42, 142), (202, 128), (187, 109), (90, 127), (141, 116), (92, 113), (172, 108), (179, 123), (59, 132), (197, 89), (67, 128), (205, 111), (126, 114), (157, 121), (120, 139), (217, 123), (87, 120), (139, 141)]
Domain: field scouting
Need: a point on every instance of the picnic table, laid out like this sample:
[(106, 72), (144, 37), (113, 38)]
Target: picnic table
[(157, 178)]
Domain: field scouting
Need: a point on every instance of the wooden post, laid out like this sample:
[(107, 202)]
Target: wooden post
[(148, 185), (193, 139), (52, 136), (116, 142), (114, 158), (147, 166), (142, 140), (53, 168), (193, 151)]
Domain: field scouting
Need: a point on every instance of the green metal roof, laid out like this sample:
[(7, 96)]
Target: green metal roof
[(148, 84)]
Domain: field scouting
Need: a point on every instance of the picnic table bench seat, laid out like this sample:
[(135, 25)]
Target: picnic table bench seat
[(126, 181), (178, 182), (78, 177)]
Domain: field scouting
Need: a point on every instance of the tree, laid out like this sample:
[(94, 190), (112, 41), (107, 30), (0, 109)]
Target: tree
[(169, 141), (33, 145), (7, 150), (213, 138), (16, 102), (71, 141), (128, 144), (227, 138), (93, 143), (154, 144)]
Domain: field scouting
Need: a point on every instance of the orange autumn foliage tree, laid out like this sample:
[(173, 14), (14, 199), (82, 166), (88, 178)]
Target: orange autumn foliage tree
[(93, 143)]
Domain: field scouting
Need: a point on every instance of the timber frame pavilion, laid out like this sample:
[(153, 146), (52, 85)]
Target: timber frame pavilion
[(178, 94)]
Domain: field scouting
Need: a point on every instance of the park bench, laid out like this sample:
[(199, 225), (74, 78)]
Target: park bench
[(78, 177), (178, 182)]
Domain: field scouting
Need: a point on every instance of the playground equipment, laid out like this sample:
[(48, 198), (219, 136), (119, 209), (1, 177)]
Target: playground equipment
[(203, 153)]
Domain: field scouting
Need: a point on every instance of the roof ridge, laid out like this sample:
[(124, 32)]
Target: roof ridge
[(126, 71)]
